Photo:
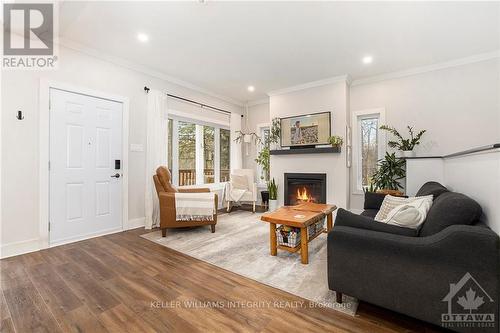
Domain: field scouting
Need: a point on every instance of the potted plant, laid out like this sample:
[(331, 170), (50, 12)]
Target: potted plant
[(263, 160), (405, 145), (336, 141), (273, 195), (390, 171), (246, 137)]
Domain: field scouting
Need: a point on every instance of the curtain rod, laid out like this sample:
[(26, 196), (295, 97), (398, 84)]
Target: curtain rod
[(146, 89)]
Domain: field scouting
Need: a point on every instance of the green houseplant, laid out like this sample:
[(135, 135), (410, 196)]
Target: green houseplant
[(336, 141), (390, 171), (263, 160), (406, 145), (273, 195)]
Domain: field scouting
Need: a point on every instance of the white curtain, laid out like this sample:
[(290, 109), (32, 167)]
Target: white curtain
[(156, 151), (236, 152)]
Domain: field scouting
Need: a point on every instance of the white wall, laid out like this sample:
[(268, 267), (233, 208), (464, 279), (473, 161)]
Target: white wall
[(333, 98), (476, 175), (20, 147), (458, 106), (257, 115)]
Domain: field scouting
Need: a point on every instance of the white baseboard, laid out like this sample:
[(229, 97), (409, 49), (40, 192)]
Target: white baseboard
[(17, 248), (32, 245), (136, 223)]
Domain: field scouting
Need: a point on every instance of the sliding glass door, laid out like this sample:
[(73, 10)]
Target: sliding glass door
[(198, 150)]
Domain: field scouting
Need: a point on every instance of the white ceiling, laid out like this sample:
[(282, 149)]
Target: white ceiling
[(226, 46)]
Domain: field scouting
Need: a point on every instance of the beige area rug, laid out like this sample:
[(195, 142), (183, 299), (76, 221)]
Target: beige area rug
[(240, 244)]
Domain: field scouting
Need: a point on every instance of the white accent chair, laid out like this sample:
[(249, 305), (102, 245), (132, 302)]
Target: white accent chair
[(250, 195)]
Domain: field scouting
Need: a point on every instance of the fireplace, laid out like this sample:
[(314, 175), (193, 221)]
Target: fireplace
[(304, 187)]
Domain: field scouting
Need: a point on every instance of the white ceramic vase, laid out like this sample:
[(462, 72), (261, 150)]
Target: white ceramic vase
[(408, 153), (273, 205)]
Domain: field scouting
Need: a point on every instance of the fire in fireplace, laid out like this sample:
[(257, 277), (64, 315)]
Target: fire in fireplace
[(304, 187)]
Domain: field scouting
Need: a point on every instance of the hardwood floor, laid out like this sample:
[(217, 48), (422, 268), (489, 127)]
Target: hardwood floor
[(124, 283)]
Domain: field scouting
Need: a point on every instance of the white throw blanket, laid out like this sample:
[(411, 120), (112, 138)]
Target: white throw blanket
[(235, 194), (194, 206)]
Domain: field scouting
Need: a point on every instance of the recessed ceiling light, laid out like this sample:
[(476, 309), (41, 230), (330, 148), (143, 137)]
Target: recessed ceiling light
[(142, 37), (367, 60), (251, 88)]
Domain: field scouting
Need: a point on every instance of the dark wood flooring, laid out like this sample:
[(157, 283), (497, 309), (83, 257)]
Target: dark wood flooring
[(124, 283)]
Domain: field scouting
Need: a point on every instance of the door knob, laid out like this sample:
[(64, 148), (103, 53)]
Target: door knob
[(116, 175)]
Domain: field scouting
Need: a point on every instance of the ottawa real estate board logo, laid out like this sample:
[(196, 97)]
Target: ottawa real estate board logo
[(469, 305), (28, 36)]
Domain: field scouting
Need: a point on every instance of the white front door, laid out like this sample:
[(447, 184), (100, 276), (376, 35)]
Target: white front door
[(85, 166)]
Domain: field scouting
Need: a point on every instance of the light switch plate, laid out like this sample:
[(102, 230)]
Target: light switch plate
[(136, 147)]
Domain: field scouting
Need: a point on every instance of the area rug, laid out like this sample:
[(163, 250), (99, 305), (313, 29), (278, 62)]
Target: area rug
[(240, 244)]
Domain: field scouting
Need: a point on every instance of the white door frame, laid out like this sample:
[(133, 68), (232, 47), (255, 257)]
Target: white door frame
[(44, 141)]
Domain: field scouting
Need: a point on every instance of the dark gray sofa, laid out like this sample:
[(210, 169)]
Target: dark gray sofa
[(412, 271)]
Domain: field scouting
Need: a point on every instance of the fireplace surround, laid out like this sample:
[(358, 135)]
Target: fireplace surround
[(304, 187)]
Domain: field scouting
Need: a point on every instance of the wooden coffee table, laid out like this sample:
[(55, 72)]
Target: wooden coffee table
[(287, 215)]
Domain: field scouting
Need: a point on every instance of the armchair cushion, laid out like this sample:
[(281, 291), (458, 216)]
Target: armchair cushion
[(239, 182), (165, 179), (348, 219)]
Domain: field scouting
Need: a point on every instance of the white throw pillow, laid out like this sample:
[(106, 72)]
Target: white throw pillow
[(390, 202), (239, 182), (410, 214)]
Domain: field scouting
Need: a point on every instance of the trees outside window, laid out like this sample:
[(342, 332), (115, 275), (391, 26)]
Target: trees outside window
[(368, 144), (225, 154), (369, 148), (197, 149), (187, 153), (208, 154)]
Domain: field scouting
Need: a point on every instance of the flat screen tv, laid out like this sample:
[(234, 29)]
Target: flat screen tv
[(306, 130)]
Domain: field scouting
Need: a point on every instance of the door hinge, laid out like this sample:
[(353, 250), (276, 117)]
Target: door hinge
[(49, 225)]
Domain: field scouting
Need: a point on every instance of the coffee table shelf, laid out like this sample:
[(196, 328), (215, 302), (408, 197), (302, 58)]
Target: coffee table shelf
[(297, 248), (300, 216)]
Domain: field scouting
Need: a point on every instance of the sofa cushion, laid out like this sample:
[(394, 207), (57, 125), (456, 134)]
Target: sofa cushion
[(370, 213), (348, 219), (448, 209), (373, 200), (433, 188)]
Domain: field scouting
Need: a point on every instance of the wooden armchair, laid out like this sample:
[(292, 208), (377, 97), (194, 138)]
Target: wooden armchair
[(166, 195)]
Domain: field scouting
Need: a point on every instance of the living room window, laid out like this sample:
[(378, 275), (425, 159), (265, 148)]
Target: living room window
[(369, 144), (187, 153), (197, 153), (225, 153), (208, 154)]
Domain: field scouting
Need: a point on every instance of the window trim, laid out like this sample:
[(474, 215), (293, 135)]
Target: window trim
[(259, 128), (357, 187), (199, 155)]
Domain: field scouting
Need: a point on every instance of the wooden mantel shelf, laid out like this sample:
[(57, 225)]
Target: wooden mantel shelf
[(322, 150)]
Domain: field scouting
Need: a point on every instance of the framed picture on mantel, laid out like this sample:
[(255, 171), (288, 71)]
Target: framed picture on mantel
[(306, 130)]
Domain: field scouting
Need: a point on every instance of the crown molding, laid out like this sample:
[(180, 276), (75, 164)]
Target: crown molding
[(308, 85), (143, 69), (259, 101), (425, 69)]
